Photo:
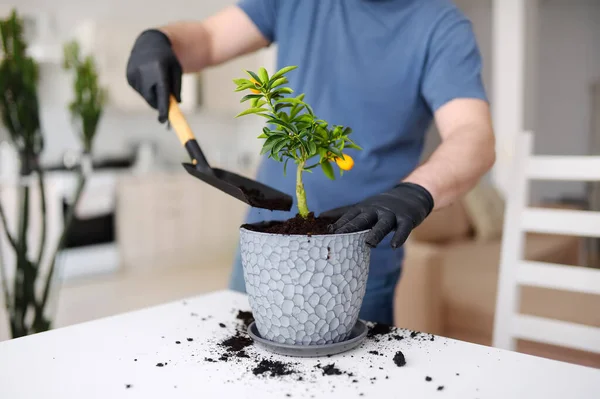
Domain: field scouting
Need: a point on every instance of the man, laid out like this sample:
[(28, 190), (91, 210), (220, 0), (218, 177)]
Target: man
[(385, 68)]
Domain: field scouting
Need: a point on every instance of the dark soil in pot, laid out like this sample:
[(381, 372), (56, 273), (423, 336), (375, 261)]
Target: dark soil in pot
[(297, 225)]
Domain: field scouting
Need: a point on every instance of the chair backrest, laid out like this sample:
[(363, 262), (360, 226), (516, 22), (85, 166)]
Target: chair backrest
[(509, 323)]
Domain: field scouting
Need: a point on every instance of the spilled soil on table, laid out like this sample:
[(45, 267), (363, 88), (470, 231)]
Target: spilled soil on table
[(237, 350), (272, 368)]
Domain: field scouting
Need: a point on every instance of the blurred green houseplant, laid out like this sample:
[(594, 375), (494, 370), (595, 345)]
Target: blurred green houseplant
[(27, 301), (88, 104)]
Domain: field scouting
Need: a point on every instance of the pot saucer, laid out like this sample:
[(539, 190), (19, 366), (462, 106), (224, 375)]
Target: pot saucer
[(357, 335)]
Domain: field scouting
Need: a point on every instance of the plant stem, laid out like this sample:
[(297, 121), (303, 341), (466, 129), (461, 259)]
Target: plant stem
[(10, 238), (300, 193), (22, 273), (68, 222), (24, 220), (44, 217), (4, 278)]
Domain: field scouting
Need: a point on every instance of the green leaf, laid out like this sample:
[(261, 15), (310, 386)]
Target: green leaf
[(337, 152), (266, 148), (250, 111), (309, 109), (305, 148), (290, 101), (350, 144), (245, 86), (313, 148), (283, 71), (254, 76), (337, 131), (275, 155), (297, 102), (264, 76), (240, 82), (328, 170), (278, 82), (312, 166), (285, 166), (262, 136), (260, 103), (282, 143), (268, 133), (322, 133), (295, 110), (283, 90), (250, 97), (279, 107), (284, 124), (263, 114)]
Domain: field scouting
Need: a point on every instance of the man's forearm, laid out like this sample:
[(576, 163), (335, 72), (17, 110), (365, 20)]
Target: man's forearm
[(191, 43), (215, 40), (457, 165)]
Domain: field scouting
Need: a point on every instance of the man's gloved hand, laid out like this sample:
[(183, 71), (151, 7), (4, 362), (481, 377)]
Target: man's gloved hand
[(401, 210), (154, 71)]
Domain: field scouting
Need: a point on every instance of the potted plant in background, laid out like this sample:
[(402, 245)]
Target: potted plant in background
[(34, 270), (89, 100), (305, 284)]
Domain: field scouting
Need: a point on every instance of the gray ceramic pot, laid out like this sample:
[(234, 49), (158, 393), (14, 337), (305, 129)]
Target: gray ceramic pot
[(305, 290)]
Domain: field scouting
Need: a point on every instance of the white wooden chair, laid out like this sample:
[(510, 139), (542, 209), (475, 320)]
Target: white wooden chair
[(510, 324)]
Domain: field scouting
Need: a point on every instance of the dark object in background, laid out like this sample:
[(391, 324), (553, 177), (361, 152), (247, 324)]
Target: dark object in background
[(92, 231), (107, 163), (97, 230)]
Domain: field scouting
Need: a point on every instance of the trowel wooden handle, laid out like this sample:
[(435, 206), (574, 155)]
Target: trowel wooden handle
[(186, 136), (183, 130)]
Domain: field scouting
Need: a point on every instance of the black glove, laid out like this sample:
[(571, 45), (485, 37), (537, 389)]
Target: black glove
[(401, 210), (154, 71)]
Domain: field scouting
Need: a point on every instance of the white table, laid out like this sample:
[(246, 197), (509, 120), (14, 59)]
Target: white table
[(100, 358)]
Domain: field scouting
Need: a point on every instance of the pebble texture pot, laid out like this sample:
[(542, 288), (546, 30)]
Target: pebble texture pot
[(305, 290)]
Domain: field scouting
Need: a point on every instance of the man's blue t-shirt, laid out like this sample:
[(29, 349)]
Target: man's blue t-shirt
[(381, 67)]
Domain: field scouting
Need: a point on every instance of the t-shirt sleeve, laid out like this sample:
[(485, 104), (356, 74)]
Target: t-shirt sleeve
[(263, 13), (453, 66)]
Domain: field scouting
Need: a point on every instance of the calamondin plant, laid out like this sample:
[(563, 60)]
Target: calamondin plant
[(293, 131)]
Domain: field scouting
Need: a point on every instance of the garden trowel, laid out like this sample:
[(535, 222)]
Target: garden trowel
[(249, 191)]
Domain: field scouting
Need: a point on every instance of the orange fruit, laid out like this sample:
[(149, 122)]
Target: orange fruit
[(254, 90), (345, 164)]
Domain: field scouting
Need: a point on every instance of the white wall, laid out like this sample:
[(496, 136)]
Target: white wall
[(568, 59), (569, 64)]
